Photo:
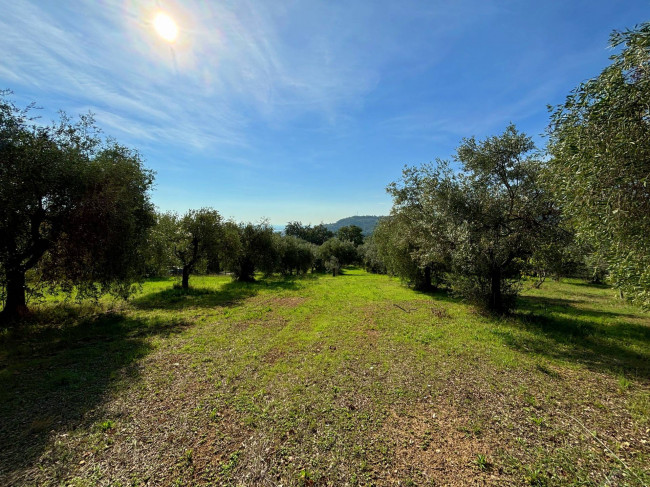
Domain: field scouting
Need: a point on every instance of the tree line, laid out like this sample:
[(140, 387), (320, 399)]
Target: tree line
[(201, 241), (75, 209)]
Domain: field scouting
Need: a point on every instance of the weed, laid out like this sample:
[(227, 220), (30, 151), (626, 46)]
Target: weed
[(481, 462), (530, 400), (536, 478), (426, 440), (227, 467), (107, 425), (187, 456), (305, 477), (538, 420), (639, 406), (473, 428), (358, 451), (623, 384)]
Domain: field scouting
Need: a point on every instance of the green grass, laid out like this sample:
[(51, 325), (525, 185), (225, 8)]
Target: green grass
[(317, 380)]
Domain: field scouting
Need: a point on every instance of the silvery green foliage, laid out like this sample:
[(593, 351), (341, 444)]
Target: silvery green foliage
[(351, 233), (478, 225), (294, 254), (252, 251), (344, 251), (192, 237), (600, 167), (370, 255)]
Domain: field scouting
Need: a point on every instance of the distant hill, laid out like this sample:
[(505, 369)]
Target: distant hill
[(366, 222)]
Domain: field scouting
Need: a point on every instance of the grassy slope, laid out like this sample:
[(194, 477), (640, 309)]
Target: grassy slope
[(351, 380)]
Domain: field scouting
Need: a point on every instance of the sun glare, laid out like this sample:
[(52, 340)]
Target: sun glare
[(165, 26)]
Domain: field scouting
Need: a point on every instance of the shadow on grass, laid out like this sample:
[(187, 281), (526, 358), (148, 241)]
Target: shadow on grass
[(536, 305), (159, 279), (590, 284), (440, 294), (227, 295), (570, 330), (52, 375), (602, 340), (176, 298)]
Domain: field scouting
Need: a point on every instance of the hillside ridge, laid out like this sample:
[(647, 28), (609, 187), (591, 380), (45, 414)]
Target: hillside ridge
[(366, 222)]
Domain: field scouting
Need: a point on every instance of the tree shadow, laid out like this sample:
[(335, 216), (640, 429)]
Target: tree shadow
[(570, 330), (351, 268), (159, 278), (227, 295), (53, 375), (176, 298), (602, 340), (310, 276), (440, 294), (349, 271), (289, 283), (593, 285)]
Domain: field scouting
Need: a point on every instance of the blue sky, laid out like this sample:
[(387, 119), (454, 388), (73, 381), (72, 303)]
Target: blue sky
[(302, 110)]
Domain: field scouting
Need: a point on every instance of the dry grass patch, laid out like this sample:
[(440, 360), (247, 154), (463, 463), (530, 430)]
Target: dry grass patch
[(433, 445), (283, 301)]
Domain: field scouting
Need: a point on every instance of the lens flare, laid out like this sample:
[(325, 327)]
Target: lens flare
[(165, 26)]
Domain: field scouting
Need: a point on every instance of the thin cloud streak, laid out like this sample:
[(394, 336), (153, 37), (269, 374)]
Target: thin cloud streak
[(241, 70), (238, 64)]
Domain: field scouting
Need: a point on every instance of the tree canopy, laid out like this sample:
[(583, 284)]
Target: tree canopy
[(293, 254), (477, 225), (397, 250), (351, 233), (196, 235), (317, 234), (600, 166), (71, 204), (252, 250)]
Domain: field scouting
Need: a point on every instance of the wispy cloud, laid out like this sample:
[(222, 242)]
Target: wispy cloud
[(230, 64), (321, 98)]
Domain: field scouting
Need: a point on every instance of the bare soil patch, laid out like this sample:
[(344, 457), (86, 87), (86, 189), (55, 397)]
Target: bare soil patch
[(433, 446), (282, 301)]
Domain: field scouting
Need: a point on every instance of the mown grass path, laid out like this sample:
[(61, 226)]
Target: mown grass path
[(353, 380)]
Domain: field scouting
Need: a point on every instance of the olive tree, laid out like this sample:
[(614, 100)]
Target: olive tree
[(371, 257), (293, 254), (600, 166), (195, 236), (71, 204), (398, 250), (317, 234), (481, 223), (253, 249), (335, 253), (159, 247)]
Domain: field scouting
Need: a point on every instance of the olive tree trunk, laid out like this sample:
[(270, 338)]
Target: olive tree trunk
[(186, 277), (16, 304), (496, 298)]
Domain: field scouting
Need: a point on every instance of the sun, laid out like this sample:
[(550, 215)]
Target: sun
[(165, 26)]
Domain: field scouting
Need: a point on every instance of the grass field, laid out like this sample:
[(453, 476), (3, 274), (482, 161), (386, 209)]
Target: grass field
[(353, 380)]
